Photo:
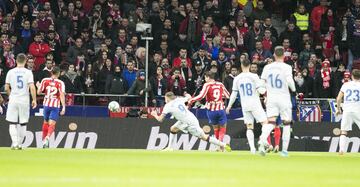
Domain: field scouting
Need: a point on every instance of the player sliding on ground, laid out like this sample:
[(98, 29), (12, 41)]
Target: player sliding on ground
[(350, 91), (247, 84), (54, 90), (17, 84), (214, 92), (278, 78), (187, 122)]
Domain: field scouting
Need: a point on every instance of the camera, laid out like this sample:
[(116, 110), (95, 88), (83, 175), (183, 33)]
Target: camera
[(143, 27)]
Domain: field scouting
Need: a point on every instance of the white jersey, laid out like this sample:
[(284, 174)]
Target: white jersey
[(276, 75), (19, 80), (351, 92), (246, 85), (180, 112)]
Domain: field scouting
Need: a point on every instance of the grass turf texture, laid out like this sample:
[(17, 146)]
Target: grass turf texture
[(110, 167)]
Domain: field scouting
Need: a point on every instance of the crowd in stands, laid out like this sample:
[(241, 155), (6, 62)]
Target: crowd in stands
[(96, 45)]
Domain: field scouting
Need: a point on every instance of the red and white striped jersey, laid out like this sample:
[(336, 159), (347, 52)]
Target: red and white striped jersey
[(214, 92), (52, 89)]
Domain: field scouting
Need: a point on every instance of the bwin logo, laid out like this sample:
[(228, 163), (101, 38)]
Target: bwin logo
[(158, 141), (55, 140)]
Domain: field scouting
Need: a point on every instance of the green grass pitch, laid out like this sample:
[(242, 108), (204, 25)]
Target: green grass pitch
[(119, 167)]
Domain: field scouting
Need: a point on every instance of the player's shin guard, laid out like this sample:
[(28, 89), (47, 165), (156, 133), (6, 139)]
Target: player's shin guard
[(222, 133), (215, 141), (45, 128), (13, 134), (216, 133), (286, 137), (51, 129), (342, 143), (277, 135), (250, 137), (266, 130)]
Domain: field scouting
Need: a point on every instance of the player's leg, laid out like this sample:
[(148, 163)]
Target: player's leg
[(12, 116), (222, 121), (277, 135), (24, 115), (211, 117), (346, 125), (249, 122), (286, 116), (173, 132), (53, 117), (198, 132)]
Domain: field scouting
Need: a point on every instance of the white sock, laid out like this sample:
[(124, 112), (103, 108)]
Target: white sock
[(266, 130), (13, 134), (250, 137), (286, 137), (21, 133), (171, 140), (342, 143), (216, 141)]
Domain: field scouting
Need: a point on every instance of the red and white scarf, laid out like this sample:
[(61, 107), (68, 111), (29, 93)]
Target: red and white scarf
[(325, 75)]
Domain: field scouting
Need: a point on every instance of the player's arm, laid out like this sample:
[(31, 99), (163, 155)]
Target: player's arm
[(159, 118), (232, 100), (339, 99), (40, 87), (33, 95), (202, 94), (226, 92), (62, 99), (7, 88), (290, 81)]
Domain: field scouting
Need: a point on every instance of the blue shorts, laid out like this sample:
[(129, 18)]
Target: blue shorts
[(217, 117), (51, 113)]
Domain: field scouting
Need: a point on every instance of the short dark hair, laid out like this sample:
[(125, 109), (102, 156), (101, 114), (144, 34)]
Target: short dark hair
[(246, 63), (210, 74), (356, 74), (279, 51), (55, 70)]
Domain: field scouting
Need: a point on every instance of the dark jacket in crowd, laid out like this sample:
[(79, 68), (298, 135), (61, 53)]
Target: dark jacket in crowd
[(115, 84)]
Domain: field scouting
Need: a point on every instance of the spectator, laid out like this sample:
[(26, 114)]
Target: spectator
[(177, 83), (7, 57), (159, 85), (115, 84), (308, 82), (354, 45), (305, 55), (260, 52), (90, 80), (25, 35), (121, 39), (268, 41), (286, 44), (294, 62), (54, 46), (105, 71), (192, 26), (154, 63), (44, 21), (316, 14), (327, 29), (38, 49), (138, 88), (301, 19), (182, 58), (322, 83), (212, 51), (341, 41), (197, 79), (46, 72), (340, 76), (254, 68), (64, 27), (228, 46), (228, 81), (129, 74), (293, 34), (202, 57), (98, 39), (259, 12), (241, 30), (74, 51), (95, 21), (181, 43), (268, 25), (255, 33), (71, 80), (301, 85), (214, 30)]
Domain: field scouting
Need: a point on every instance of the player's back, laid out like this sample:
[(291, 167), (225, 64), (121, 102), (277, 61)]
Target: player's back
[(52, 89), (246, 85), (351, 92), (19, 80), (214, 95), (179, 110), (276, 75)]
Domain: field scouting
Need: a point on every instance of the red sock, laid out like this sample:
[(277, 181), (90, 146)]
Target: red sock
[(222, 133), (45, 128), (51, 130), (216, 133), (269, 139), (277, 135)]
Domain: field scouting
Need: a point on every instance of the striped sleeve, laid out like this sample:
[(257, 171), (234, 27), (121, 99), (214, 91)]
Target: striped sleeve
[(202, 94)]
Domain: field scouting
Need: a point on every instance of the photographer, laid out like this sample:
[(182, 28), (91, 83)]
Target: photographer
[(177, 83)]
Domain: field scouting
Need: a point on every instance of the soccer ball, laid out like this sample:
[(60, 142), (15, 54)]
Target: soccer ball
[(114, 106)]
